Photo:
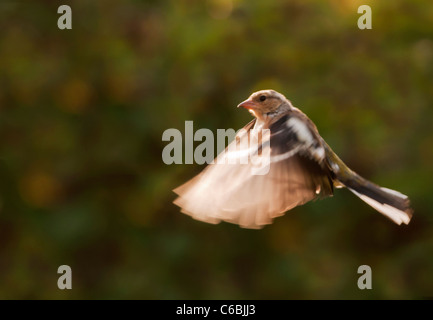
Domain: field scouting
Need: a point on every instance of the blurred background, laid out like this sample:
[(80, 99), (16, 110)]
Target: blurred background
[(82, 113)]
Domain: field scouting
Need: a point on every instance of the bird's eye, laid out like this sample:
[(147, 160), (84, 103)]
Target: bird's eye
[(262, 98)]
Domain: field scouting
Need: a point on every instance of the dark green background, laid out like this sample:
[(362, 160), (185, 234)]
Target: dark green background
[(82, 113)]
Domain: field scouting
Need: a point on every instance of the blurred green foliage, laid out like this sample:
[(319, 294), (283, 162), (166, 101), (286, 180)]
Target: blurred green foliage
[(82, 113)]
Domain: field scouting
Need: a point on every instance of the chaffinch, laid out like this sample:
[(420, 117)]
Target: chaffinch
[(302, 167)]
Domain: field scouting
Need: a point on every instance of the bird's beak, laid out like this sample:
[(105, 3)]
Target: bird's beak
[(247, 104)]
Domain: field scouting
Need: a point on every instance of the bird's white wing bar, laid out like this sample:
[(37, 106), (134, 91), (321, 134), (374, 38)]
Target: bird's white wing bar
[(286, 155), (306, 137), (300, 129)]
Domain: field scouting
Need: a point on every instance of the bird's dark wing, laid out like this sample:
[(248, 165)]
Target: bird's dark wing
[(283, 170), (295, 139)]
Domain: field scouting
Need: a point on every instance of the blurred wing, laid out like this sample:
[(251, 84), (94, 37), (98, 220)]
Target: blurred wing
[(281, 170)]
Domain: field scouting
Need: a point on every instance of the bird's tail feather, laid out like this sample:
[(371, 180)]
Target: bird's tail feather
[(392, 204)]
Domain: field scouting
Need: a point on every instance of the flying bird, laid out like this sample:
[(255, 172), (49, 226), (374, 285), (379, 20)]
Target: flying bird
[(301, 167)]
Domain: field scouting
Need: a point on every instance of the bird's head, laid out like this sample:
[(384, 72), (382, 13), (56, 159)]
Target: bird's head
[(266, 102)]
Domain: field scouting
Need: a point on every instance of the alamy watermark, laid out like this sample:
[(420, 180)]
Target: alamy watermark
[(365, 280), (65, 280), (252, 147), (364, 21), (65, 20)]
